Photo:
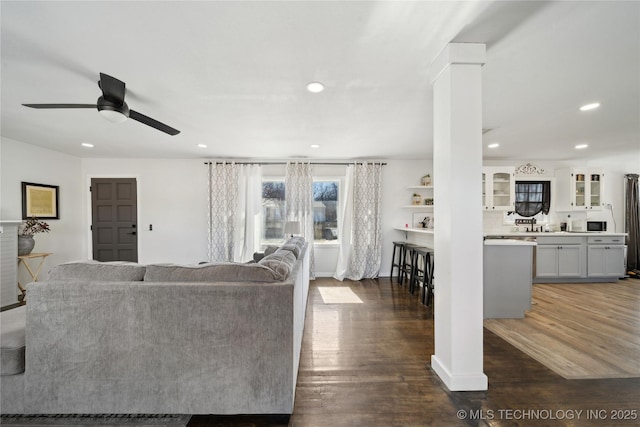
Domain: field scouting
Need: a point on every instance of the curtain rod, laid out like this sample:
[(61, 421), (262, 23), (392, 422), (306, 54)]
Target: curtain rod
[(284, 163)]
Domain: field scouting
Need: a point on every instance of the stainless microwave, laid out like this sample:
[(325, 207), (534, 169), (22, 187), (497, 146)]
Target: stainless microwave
[(596, 225)]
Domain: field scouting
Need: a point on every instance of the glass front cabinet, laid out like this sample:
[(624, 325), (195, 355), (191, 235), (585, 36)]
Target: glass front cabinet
[(498, 188), (581, 189)]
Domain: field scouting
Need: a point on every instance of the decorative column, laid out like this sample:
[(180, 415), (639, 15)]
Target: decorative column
[(458, 245)]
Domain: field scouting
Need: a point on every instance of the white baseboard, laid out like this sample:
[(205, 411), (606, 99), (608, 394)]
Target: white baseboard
[(466, 382)]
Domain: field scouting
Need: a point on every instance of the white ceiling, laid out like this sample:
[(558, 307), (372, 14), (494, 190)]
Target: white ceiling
[(232, 75)]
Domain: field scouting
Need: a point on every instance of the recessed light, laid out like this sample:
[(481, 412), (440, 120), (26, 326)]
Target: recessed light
[(588, 107), (202, 145), (581, 146), (315, 87), (314, 146), (86, 144), (493, 145)]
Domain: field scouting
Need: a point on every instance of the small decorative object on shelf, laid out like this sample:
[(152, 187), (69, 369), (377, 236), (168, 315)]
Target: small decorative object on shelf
[(428, 202), (416, 199), (426, 180), (26, 230)]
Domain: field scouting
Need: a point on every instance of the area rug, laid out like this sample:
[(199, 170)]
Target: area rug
[(338, 295), (106, 420)]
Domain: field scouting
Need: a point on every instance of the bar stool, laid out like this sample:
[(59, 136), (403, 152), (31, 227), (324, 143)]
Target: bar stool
[(406, 269), (427, 287), (420, 268), (397, 262)]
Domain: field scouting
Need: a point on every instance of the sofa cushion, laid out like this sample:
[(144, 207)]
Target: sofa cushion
[(210, 272), (257, 256), (294, 249), (116, 271), (294, 244), (12, 340), (281, 262)]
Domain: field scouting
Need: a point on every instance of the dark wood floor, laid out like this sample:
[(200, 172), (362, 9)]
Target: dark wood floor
[(368, 365)]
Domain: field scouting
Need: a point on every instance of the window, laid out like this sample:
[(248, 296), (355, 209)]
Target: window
[(325, 211), (533, 200), (273, 212), (533, 197)]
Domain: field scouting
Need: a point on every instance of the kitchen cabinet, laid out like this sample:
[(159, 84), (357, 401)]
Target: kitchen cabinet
[(605, 257), (560, 257), (574, 257), (559, 261), (580, 189), (498, 188)]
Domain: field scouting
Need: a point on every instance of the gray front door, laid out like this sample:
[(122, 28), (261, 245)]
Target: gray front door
[(114, 224)]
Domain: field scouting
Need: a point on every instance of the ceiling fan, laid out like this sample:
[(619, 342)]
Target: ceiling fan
[(112, 106)]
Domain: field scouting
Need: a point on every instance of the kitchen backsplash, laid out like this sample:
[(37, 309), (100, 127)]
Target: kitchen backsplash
[(493, 221)]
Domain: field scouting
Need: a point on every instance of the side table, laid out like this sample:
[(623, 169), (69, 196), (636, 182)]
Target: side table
[(22, 259)]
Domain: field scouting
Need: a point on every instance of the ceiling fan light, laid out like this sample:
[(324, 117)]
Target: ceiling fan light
[(113, 116)]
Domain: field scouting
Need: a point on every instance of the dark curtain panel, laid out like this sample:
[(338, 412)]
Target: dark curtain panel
[(632, 215), (533, 197)]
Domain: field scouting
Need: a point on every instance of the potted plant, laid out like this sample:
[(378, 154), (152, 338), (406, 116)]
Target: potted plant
[(426, 180), (416, 199), (428, 202), (26, 230)]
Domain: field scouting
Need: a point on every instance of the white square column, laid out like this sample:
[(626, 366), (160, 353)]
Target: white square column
[(458, 244)]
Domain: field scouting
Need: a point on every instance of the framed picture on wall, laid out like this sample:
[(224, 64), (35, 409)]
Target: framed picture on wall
[(40, 201)]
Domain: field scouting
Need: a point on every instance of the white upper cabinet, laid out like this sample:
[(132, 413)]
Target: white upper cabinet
[(579, 189), (498, 188)]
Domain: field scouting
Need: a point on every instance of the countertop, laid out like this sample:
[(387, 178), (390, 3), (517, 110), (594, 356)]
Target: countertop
[(508, 242), (554, 233), (520, 234), (415, 230)]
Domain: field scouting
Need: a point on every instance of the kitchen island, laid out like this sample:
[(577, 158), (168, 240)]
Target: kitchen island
[(507, 277)]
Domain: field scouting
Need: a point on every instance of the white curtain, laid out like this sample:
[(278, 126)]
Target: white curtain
[(344, 255), (298, 183), (235, 196), (361, 248)]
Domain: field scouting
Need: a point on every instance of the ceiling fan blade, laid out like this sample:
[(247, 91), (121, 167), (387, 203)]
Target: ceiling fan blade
[(43, 106), (112, 89), (153, 123)]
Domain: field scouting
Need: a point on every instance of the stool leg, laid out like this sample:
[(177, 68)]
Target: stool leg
[(401, 264), (393, 260), (429, 280), (412, 275)]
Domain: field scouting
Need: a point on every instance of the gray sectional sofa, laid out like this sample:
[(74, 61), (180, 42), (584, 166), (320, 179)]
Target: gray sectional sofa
[(218, 338)]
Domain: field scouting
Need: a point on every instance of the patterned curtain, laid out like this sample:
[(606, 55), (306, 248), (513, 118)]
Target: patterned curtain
[(363, 255), (234, 200), (299, 203)]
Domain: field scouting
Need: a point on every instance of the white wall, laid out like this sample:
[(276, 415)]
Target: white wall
[(398, 175), (172, 197), (29, 163)]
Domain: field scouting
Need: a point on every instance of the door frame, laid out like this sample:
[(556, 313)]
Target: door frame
[(88, 217)]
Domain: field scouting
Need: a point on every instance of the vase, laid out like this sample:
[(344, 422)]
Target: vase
[(25, 245)]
